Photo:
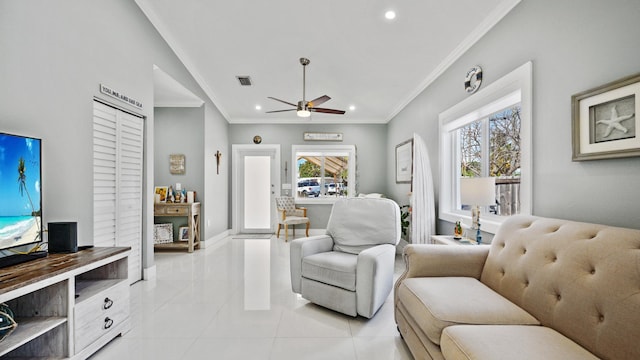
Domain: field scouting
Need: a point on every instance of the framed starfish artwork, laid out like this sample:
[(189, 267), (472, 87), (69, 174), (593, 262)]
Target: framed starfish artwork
[(605, 122)]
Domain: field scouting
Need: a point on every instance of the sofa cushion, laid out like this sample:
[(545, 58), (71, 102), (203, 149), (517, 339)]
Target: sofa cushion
[(334, 268), (438, 302), (493, 342)]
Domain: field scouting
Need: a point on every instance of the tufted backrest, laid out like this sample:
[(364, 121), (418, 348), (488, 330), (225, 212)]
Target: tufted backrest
[(356, 224), (287, 204), (580, 279)]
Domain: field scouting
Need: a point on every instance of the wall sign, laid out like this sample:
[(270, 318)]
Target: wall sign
[(120, 96), (322, 136), (177, 164)]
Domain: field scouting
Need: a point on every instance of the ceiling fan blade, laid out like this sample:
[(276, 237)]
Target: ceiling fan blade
[(327, 111), (321, 100), (282, 101), (277, 111)]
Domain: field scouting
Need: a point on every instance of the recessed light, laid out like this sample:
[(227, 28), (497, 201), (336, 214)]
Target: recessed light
[(258, 107), (352, 107), (390, 15)]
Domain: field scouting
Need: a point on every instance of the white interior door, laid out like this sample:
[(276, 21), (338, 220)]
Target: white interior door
[(117, 182), (256, 182)]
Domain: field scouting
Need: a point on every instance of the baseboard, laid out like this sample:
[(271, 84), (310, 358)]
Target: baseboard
[(149, 273), (215, 240)]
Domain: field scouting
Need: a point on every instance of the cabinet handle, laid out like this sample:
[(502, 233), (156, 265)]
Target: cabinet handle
[(107, 303), (107, 323)]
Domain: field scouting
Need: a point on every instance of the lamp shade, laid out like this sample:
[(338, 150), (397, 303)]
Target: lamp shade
[(478, 191)]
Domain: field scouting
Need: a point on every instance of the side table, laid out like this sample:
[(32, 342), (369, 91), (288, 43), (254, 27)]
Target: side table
[(449, 240), (189, 210)]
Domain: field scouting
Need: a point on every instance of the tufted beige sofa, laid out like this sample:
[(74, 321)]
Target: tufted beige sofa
[(544, 289)]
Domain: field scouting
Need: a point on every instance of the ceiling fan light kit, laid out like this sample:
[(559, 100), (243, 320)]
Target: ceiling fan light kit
[(302, 111), (304, 108)]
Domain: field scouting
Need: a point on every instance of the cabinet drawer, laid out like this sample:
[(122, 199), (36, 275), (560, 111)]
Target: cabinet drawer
[(112, 299), (176, 210), (100, 308), (87, 333)]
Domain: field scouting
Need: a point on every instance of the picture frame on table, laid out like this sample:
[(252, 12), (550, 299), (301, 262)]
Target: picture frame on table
[(163, 233), (161, 192), (183, 233), (404, 162), (604, 121)]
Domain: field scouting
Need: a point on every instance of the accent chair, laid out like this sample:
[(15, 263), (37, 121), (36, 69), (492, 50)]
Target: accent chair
[(350, 268), (289, 214)]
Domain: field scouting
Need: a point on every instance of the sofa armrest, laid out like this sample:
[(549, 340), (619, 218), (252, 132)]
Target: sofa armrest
[(445, 260), (374, 278), (423, 260), (300, 248)]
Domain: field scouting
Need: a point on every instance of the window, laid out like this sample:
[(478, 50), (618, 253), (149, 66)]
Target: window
[(323, 173), (488, 134), (491, 147)]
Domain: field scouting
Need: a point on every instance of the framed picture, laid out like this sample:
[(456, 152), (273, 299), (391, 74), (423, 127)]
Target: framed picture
[(177, 164), (183, 233), (404, 162), (605, 124), (161, 194), (162, 233)]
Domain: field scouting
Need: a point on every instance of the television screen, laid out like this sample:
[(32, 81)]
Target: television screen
[(20, 199)]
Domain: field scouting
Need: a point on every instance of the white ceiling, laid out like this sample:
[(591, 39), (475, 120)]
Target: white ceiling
[(357, 56), (167, 92)]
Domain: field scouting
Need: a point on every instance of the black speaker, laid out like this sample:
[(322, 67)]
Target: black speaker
[(63, 237)]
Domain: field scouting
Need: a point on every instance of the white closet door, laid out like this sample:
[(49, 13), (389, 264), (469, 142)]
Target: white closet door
[(104, 175), (129, 214), (118, 164)]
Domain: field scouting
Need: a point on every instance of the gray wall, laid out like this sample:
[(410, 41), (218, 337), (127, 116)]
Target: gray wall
[(180, 131), (574, 46), (370, 142), (54, 56)]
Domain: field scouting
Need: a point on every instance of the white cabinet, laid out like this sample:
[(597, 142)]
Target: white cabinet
[(66, 305)]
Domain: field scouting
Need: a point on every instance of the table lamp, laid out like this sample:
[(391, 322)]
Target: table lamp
[(476, 192)]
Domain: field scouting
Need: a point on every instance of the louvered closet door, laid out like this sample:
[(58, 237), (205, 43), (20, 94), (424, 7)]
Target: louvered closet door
[(117, 182)]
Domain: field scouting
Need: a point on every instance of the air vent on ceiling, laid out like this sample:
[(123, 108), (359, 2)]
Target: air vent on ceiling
[(244, 80)]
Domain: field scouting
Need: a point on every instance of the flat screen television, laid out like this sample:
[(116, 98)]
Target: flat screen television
[(20, 194)]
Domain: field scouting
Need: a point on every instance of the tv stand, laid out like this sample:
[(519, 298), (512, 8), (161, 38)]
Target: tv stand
[(21, 258), (67, 306)]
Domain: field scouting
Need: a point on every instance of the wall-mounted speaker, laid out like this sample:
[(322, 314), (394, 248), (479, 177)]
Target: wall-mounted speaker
[(63, 237)]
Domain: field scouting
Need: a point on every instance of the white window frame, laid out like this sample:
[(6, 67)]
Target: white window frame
[(512, 88), (351, 178)]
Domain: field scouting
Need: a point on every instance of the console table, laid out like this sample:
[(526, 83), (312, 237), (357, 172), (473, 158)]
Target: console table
[(66, 305), (189, 210)]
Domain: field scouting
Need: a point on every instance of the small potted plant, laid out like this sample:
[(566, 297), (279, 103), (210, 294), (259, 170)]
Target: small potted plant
[(405, 221), (457, 230)]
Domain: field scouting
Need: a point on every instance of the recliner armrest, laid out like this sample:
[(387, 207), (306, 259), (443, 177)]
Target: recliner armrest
[(374, 278), (300, 248)]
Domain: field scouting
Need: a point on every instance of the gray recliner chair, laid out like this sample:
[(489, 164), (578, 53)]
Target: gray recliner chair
[(350, 269)]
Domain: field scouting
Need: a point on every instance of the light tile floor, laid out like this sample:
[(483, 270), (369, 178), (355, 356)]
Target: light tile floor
[(234, 301)]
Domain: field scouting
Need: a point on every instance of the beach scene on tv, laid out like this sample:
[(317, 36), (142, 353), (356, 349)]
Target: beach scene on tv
[(20, 198)]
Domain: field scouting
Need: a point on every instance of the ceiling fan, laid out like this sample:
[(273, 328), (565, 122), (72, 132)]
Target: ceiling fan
[(305, 108)]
